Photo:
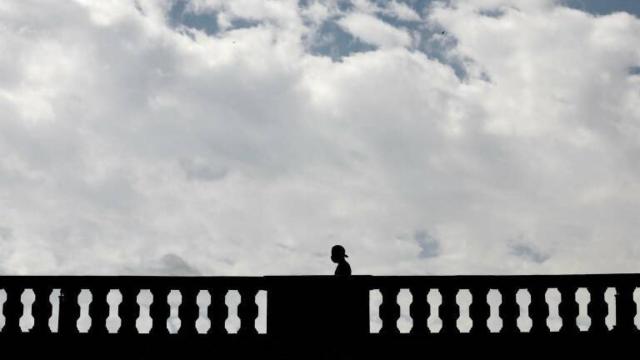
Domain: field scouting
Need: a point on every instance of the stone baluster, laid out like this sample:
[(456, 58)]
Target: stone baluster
[(389, 310), (569, 309), (479, 310), (598, 309), (247, 311), (69, 311), (625, 309), (12, 310), (538, 310), (189, 311), (128, 311), (449, 310), (99, 310), (41, 310), (509, 310), (159, 311), (419, 310), (219, 311)]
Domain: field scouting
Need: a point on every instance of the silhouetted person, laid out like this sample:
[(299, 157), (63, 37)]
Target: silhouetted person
[(338, 256)]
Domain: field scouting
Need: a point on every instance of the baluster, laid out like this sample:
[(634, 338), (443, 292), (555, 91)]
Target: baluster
[(99, 311), (159, 311), (41, 310), (625, 309), (189, 311), (219, 311), (509, 310), (69, 311), (479, 310), (449, 311), (13, 310), (419, 310), (598, 309), (248, 311), (569, 310), (128, 311), (538, 310), (389, 310)]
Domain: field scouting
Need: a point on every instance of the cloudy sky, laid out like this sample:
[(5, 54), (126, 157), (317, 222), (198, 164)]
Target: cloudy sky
[(247, 137)]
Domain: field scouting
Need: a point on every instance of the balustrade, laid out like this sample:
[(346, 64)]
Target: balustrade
[(337, 304), (129, 308), (509, 308)]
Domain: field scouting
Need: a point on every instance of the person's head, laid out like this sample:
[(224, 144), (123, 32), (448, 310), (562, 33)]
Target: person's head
[(337, 253)]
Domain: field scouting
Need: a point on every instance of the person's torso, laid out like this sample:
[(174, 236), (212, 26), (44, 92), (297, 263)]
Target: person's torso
[(343, 269)]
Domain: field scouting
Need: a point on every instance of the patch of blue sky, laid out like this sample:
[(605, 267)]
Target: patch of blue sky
[(604, 7), (179, 16), (331, 40), (342, 5), (397, 22), (206, 22), (433, 41), (418, 5), (440, 53), (595, 7)]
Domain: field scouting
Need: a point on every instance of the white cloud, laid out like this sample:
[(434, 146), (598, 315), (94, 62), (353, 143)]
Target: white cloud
[(131, 146), (374, 31), (285, 13), (402, 11)]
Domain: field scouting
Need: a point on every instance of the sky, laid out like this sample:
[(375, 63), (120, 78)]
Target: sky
[(207, 137)]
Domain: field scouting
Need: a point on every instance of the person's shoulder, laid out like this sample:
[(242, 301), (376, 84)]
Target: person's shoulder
[(343, 268), (346, 268)]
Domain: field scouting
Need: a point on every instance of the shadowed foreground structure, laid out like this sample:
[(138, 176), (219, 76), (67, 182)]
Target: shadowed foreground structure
[(317, 317)]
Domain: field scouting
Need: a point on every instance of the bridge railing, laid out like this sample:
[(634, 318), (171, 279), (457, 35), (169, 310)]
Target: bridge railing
[(128, 310), (539, 310), (317, 304)]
